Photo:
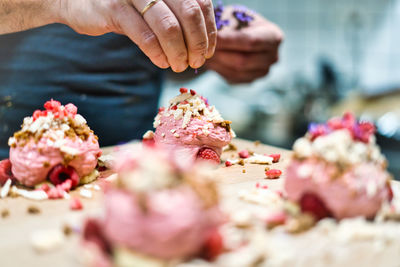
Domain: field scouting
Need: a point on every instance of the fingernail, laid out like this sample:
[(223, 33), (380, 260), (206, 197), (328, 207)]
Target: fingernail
[(198, 63)]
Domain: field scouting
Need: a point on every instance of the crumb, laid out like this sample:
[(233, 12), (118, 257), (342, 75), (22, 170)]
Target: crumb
[(46, 164), (67, 230), (244, 171), (5, 213), (267, 169), (33, 210), (241, 162), (231, 147), (257, 142)]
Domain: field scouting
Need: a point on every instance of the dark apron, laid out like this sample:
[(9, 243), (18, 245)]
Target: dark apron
[(113, 84)]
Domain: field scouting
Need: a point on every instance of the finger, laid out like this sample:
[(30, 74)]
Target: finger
[(233, 76), (242, 61), (209, 17), (252, 39), (132, 24), (166, 27), (190, 17)]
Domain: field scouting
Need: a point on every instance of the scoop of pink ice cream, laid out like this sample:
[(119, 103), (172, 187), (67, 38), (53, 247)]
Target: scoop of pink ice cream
[(32, 162), (192, 138), (174, 223), (50, 137), (358, 191), (338, 169), (190, 125)]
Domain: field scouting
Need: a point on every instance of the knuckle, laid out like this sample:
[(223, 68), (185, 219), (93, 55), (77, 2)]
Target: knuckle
[(148, 39), (191, 10), (170, 25), (205, 3), (181, 56), (200, 47), (114, 5)]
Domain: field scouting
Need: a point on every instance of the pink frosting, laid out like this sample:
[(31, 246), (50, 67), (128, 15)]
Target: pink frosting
[(175, 224), (192, 138), (28, 161), (345, 196)]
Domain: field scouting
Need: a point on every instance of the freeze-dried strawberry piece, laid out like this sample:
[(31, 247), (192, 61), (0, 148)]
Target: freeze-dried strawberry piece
[(273, 174), (275, 157), (209, 155), (71, 109), (149, 142), (192, 92), (228, 163), (310, 203), (244, 154), (5, 171), (214, 246), (183, 90), (276, 219), (60, 173), (52, 105), (75, 204)]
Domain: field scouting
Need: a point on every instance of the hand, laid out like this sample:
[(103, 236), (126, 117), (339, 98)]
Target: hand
[(244, 55), (172, 33)]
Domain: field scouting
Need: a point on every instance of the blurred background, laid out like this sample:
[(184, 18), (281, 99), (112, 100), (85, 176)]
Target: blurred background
[(338, 56)]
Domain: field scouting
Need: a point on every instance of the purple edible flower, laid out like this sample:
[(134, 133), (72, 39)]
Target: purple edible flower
[(218, 10), (243, 16)]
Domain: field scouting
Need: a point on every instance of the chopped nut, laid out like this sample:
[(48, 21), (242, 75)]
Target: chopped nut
[(5, 213), (244, 171), (33, 210), (241, 162)]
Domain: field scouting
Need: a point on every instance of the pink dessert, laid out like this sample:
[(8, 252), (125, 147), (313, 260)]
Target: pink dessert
[(190, 125), (156, 210), (338, 170), (54, 144)]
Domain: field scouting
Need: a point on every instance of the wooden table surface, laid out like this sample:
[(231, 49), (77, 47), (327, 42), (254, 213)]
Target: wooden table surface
[(16, 229)]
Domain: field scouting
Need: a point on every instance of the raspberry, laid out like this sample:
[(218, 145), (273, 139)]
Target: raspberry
[(273, 174), (71, 109), (92, 233), (214, 246), (228, 163), (52, 105), (244, 154), (192, 92), (275, 157), (310, 203), (60, 173), (209, 155), (75, 204), (5, 171), (183, 90)]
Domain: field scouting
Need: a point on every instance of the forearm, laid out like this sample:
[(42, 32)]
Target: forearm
[(19, 15)]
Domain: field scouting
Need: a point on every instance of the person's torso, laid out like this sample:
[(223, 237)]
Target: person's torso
[(113, 84)]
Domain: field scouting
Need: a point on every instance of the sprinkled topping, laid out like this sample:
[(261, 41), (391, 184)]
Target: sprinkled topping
[(188, 105), (341, 140), (55, 123), (218, 10)]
